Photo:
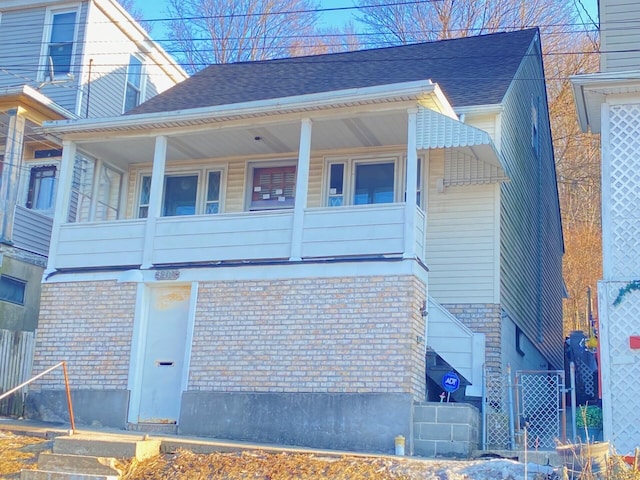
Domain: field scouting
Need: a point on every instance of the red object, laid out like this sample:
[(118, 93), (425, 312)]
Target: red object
[(634, 341)]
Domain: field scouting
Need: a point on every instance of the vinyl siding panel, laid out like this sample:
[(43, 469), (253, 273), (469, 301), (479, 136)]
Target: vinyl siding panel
[(32, 231), (461, 250), (109, 67), (484, 122), (531, 230), (619, 35), (20, 42)]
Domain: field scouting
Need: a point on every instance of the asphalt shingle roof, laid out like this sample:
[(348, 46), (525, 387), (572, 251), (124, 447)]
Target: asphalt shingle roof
[(471, 71)]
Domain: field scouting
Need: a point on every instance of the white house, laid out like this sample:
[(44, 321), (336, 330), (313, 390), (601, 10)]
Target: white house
[(267, 250), (609, 103)]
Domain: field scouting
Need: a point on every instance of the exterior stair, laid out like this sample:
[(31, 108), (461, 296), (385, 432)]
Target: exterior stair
[(90, 457)]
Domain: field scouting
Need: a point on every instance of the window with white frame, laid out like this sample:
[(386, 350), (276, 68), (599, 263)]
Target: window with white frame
[(108, 195), (184, 193), (133, 91), (81, 189), (366, 181), (272, 186), (60, 43)]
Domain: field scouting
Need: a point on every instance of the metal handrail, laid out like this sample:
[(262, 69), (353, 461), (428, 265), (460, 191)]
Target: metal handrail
[(62, 364)]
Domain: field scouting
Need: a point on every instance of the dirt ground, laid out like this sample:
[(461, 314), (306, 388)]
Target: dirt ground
[(19, 452)]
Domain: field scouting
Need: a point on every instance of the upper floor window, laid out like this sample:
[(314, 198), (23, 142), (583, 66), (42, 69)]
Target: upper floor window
[(535, 117), (182, 193), (41, 187), (133, 92), (273, 187), (59, 51)]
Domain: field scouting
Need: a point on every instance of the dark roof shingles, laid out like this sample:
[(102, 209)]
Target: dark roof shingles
[(470, 71)]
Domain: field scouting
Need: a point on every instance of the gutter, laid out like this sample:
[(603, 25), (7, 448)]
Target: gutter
[(301, 103)]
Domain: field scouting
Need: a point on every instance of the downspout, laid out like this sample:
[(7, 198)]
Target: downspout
[(88, 88)]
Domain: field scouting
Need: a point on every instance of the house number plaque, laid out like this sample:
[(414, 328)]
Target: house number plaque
[(167, 274)]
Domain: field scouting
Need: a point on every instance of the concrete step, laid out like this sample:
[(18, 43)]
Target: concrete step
[(46, 475), (156, 428), (57, 462), (107, 446)]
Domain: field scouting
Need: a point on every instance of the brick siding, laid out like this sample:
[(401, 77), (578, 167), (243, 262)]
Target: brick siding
[(351, 335), (89, 325), (483, 318), (342, 335)]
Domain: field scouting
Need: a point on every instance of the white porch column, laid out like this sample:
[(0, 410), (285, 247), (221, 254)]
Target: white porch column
[(11, 172), (155, 200), (302, 189), (411, 186), (63, 194)]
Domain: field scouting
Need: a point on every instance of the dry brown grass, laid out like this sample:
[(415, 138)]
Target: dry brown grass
[(18, 452), (185, 465)]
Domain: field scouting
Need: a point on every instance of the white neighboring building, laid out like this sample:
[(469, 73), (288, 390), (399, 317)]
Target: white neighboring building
[(609, 103)]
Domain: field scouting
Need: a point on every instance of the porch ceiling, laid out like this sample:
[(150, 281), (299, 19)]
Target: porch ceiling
[(371, 130)]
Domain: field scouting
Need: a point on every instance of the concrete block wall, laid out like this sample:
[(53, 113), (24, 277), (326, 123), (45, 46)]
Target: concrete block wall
[(445, 430)]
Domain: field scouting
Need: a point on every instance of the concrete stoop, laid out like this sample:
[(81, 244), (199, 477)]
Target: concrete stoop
[(89, 457)]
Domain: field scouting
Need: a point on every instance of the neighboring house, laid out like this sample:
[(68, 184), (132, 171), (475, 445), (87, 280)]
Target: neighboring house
[(57, 60), (246, 265), (609, 103)]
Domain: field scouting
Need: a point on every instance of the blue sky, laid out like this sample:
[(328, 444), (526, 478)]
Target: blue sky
[(155, 9)]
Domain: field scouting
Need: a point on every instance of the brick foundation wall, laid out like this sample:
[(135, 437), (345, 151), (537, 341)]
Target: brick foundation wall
[(88, 324), (321, 335), (483, 318)]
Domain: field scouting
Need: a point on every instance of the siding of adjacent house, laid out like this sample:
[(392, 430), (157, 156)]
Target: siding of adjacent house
[(619, 35), (531, 235), (110, 60), (461, 249), (21, 37)]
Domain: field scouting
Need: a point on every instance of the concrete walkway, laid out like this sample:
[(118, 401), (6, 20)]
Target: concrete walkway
[(169, 443)]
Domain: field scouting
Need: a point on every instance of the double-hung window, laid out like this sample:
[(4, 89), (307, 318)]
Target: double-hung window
[(41, 187), (182, 194), (59, 50), (133, 92), (366, 181)]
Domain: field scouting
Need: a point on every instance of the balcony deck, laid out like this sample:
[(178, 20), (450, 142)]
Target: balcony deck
[(367, 230)]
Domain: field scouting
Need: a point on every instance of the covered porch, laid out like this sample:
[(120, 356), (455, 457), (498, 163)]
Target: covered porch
[(324, 177)]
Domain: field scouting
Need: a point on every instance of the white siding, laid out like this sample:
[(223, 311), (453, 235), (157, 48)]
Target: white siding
[(20, 35), (461, 247), (109, 67), (100, 244), (619, 35)]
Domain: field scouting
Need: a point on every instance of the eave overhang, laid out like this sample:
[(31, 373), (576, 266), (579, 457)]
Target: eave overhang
[(422, 93), (35, 106), (591, 90)]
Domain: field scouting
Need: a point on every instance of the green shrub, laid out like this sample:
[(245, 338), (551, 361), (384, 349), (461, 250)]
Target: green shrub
[(589, 416)]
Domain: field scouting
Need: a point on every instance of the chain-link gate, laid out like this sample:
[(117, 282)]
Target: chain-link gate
[(532, 407), (496, 408), (540, 404)]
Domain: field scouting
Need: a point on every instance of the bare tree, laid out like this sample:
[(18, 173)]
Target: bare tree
[(410, 22), (223, 31)]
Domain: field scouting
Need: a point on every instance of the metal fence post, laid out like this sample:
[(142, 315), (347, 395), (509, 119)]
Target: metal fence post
[(512, 434)]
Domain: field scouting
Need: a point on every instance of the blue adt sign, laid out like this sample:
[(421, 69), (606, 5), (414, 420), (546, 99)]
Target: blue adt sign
[(450, 382)]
